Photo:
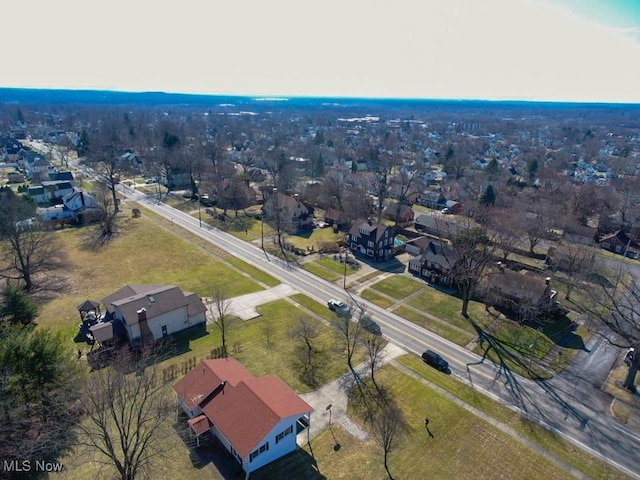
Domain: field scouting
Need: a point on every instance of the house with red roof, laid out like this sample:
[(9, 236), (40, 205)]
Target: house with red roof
[(257, 419)]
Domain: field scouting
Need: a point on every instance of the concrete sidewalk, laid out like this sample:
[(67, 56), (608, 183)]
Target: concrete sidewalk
[(244, 306), (335, 394)]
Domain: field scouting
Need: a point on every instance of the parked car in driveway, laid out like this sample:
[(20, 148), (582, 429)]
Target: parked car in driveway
[(339, 307), (435, 360)]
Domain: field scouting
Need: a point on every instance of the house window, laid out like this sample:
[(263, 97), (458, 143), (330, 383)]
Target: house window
[(354, 246), (283, 434), (164, 331), (605, 245), (380, 244), (618, 248), (363, 232), (263, 448), (370, 244)]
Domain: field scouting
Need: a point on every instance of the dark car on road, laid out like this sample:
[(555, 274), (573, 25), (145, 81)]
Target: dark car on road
[(436, 361), (370, 325)]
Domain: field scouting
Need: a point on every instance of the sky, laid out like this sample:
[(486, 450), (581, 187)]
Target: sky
[(554, 50)]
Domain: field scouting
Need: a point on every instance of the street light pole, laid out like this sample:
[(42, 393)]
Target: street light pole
[(344, 282)]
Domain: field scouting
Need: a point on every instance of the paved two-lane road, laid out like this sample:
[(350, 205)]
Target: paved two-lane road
[(574, 414)]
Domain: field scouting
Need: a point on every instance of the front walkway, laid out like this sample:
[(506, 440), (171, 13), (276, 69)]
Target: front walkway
[(335, 394)]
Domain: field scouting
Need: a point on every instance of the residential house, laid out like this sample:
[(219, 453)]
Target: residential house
[(61, 177), (56, 212), (576, 233), (149, 313), (439, 225), (374, 240), (56, 189), (15, 177), (435, 264), (617, 242), (523, 293), (417, 246), (401, 214), (35, 165), (333, 216), (296, 213), (434, 200), (452, 207), (480, 163), (37, 193), (78, 201), (257, 419)]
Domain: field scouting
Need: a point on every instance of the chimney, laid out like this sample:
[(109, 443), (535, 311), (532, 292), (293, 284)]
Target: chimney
[(500, 267), (547, 280), (369, 221), (142, 315)]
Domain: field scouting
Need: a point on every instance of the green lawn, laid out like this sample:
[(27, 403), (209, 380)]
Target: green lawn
[(318, 308), (247, 342), (555, 444), (376, 298), (463, 445), (398, 286), (313, 238), (142, 253), (439, 328), (331, 264), (321, 272)]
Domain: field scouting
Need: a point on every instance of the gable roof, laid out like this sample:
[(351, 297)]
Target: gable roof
[(525, 285), (398, 210), (362, 224), (618, 235), (244, 408), (440, 253), (155, 299)]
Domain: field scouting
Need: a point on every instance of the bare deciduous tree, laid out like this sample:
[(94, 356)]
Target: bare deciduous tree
[(616, 305), (219, 311), (31, 251), (388, 425), (349, 333), (126, 406), (307, 352), (474, 251), (374, 345)]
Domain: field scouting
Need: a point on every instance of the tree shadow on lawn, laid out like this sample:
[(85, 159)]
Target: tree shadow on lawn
[(505, 359), (561, 331)]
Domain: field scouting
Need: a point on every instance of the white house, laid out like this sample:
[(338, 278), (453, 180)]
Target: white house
[(56, 212), (78, 200), (255, 418), (152, 312)]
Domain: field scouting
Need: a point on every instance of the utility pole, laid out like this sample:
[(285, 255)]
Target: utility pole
[(344, 282)]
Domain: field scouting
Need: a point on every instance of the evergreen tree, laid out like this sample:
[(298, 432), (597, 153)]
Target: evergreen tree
[(82, 147), (532, 168), (489, 196), (493, 168), (16, 306)]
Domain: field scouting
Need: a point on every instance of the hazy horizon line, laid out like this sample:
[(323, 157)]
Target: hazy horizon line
[(282, 97)]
